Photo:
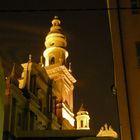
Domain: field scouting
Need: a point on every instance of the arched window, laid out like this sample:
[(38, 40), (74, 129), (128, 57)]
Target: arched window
[(81, 123), (52, 60)]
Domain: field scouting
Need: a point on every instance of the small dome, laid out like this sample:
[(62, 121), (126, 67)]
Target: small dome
[(56, 36), (56, 21), (56, 28)]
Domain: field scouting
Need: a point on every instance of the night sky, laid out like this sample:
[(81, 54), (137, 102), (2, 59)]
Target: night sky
[(23, 28)]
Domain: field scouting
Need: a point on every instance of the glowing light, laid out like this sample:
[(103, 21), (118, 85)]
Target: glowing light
[(67, 114), (53, 49), (82, 120), (106, 131), (56, 38)]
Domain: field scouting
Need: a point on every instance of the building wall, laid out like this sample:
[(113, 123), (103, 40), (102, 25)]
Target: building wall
[(29, 108), (63, 135), (125, 31), (2, 91)]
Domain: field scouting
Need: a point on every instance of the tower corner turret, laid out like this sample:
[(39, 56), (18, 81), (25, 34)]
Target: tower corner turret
[(56, 44), (82, 119)]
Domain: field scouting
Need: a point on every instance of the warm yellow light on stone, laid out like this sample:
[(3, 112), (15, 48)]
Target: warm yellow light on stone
[(55, 43), (67, 116), (82, 119), (55, 65), (51, 52), (106, 131), (55, 39)]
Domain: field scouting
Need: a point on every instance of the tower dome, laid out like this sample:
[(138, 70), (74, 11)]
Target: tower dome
[(56, 36), (56, 44), (82, 119)]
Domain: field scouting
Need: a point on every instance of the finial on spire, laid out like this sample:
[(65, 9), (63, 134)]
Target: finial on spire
[(70, 70), (55, 43), (30, 58), (55, 25), (56, 21), (13, 71), (41, 60)]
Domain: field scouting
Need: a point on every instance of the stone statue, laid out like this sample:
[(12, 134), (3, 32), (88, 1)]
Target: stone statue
[(106, 131)]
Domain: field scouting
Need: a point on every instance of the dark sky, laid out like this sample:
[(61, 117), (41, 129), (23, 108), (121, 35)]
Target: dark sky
[(23, 32)]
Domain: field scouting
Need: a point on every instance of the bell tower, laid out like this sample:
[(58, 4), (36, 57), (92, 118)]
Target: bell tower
[(62, 79), (56, 44), (82, 119)]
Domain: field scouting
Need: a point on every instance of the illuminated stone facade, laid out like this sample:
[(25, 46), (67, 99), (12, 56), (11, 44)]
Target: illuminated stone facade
[(42, 97), (82, 119), (106, 131), (55, 65), (39, 98), (125, 37)]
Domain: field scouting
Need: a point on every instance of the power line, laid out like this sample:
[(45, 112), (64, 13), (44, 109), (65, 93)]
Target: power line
[(64, 9)]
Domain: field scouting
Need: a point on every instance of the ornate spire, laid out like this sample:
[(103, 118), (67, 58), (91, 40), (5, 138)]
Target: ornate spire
[(55, 25), (70, 70), (56, 21), (30, 58), (56, 36), (41, 61), (13, 75), (55, 43)]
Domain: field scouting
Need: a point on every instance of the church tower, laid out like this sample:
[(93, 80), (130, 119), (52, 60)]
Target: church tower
[(62, 79), (56, 44), (82, 119)]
